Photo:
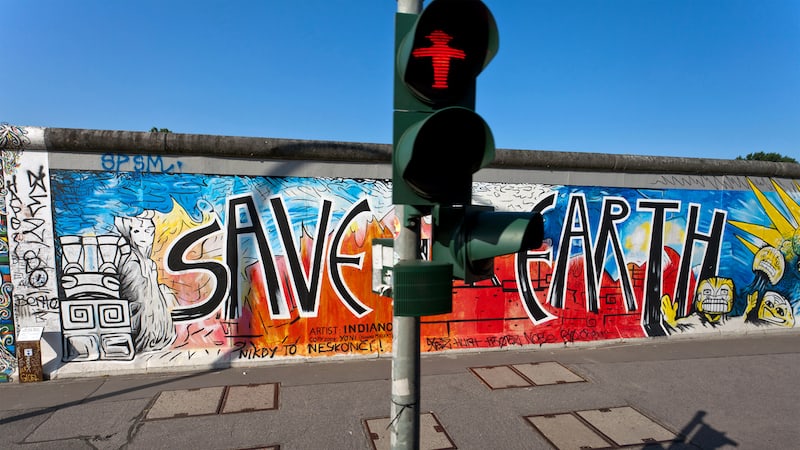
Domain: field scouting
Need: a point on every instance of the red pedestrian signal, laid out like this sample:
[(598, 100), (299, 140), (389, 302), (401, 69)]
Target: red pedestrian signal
[(443, 51), (440, 54)]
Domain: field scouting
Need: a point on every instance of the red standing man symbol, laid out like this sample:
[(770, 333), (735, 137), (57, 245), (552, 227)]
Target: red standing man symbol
[(440, 54)]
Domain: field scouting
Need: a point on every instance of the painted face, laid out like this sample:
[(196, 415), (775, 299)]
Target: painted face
[(776, 310), (769, 261), (142, 232), (714, 298)]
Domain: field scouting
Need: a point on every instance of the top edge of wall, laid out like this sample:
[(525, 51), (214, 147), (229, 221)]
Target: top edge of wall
[(262, 148)]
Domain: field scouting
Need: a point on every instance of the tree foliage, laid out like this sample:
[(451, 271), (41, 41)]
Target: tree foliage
[(771, 156), (160, 130)]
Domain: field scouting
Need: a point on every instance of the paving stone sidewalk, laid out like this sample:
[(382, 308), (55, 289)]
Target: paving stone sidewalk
[(645, 394)]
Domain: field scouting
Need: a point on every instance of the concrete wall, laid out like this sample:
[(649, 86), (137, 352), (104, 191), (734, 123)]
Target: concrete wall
[(152, 251)]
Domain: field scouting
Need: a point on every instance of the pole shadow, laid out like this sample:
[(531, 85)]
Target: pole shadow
[(697, 434)]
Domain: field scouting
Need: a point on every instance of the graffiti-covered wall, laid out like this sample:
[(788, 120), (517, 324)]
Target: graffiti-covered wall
[(12, 140), (140, 261)]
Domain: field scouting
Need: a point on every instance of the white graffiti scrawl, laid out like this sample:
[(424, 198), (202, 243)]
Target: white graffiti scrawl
[(30, 236)]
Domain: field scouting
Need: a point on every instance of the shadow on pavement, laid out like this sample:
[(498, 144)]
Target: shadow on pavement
[(704, 435), (698, 434), (91, 398)]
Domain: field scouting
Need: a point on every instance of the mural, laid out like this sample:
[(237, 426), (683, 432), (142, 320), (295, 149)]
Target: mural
[(156, 263), (8, 360), (12, 140), (261, 267), (141, 263), (31, 242)]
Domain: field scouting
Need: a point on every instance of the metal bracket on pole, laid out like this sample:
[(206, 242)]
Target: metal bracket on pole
[(411, 215)]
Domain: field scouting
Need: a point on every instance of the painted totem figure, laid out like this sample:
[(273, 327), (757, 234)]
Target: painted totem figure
[(95, 320), (150, 302), (114, 307)]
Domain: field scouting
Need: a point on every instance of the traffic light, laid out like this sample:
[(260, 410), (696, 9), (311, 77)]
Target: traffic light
[(441, 52), (469, 237), (439, 143), (439, 140)]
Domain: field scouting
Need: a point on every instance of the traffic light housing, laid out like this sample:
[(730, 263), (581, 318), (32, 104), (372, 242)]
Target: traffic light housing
[(435, 157), (439, 140), (470, 237), (441, 52)]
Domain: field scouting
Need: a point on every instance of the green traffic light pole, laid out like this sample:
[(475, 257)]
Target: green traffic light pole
[(404, 426), (434, 119), (434, 113), (409, 6)]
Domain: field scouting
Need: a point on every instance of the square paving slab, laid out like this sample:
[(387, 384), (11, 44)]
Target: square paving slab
[(547, 373), (256, 397), (500, 377), (567, 432), (432, 435), (600, 428), (214, 400), (627, 426), (186, 402), (526, 375)]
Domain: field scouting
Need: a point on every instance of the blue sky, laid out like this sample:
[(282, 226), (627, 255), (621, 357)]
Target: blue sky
[(706, 78)]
